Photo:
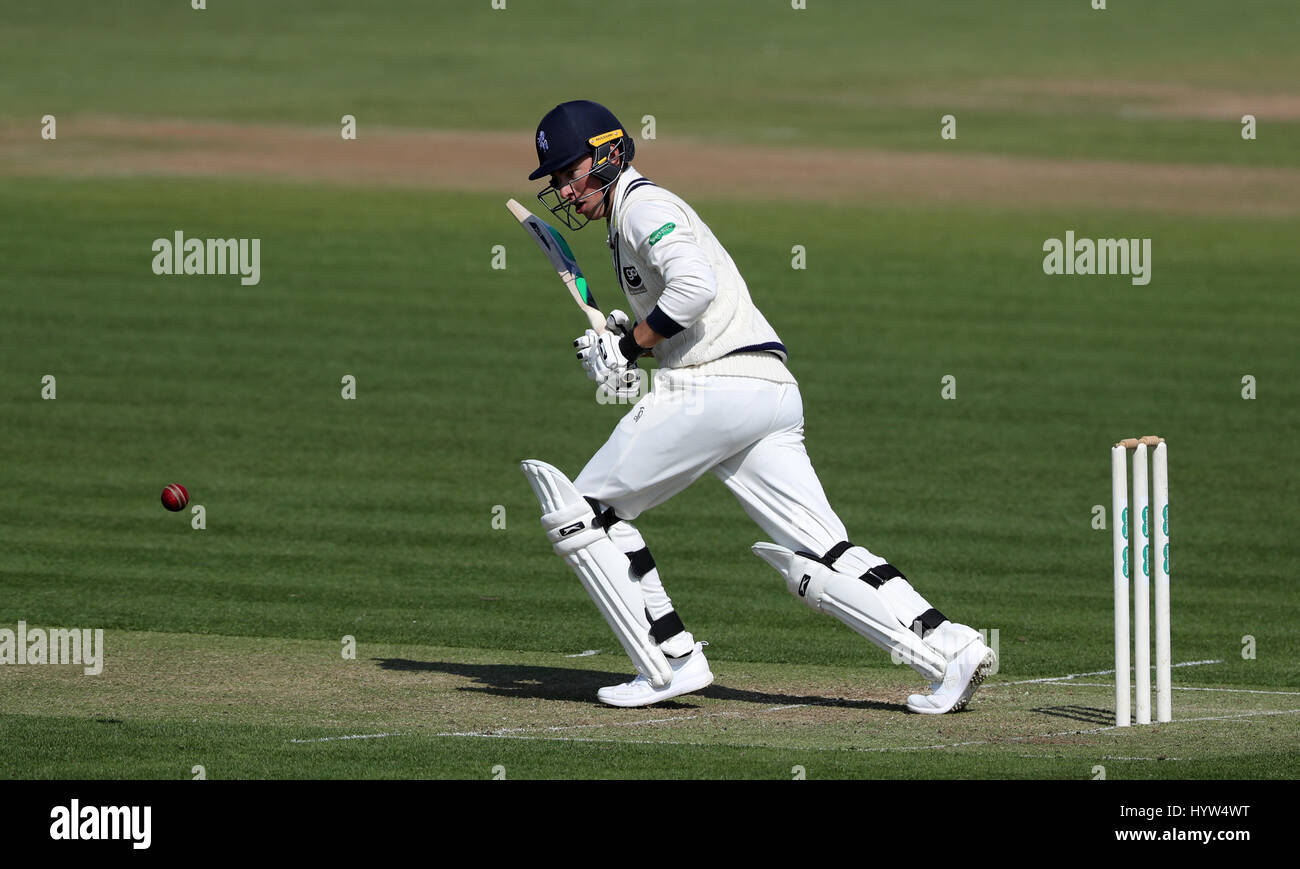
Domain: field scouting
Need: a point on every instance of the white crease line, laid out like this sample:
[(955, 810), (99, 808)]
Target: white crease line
[(1192, 688), (1240, 715), (354, 736), (1045, 756), (1093, 673), (871, 750), (1045, 679), (594, 739), (1234, 690), (586, 654), (508, 731)]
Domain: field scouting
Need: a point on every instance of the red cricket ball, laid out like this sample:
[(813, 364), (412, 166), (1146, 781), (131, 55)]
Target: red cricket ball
[(174, 497)]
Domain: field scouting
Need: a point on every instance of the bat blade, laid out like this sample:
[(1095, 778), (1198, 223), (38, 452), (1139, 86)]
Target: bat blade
[(557, 250)]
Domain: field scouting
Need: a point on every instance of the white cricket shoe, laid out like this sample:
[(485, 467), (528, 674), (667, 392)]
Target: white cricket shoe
[(690, 673), (966, 670)]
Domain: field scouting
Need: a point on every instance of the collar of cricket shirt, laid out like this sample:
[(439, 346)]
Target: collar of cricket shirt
[(625, 178)]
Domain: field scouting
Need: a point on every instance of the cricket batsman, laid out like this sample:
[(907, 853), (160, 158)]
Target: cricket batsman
[(723, 402)]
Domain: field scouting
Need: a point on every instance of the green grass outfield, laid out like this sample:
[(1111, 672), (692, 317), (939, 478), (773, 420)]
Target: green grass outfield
[(373, 518), (842, 72)]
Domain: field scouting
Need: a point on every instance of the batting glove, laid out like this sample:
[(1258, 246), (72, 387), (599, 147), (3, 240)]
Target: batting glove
[(601, 359), (618, 322)]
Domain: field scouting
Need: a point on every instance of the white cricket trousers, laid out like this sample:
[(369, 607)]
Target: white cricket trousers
[(748, 432)]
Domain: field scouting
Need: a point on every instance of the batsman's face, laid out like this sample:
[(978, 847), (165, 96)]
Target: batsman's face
[(575, 184)]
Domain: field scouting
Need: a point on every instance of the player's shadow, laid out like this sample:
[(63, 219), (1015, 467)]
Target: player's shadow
[(561, 683), (1089, 714)]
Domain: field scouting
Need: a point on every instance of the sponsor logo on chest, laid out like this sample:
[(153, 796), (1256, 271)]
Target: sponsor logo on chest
[(632, 280), (628, 276)]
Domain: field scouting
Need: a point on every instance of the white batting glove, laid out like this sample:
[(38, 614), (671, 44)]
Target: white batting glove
[(599, 354), (618, 323)]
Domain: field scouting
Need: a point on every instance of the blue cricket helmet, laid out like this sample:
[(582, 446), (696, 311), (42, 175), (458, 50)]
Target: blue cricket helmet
[(574, 130)]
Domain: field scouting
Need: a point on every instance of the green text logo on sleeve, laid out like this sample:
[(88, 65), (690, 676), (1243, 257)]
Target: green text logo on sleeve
[(661, 232)]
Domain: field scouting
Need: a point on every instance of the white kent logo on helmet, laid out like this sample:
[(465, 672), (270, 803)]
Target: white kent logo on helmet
[(541, 141)]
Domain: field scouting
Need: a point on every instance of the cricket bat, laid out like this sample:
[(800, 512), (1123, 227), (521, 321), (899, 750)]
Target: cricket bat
[(561, 256)]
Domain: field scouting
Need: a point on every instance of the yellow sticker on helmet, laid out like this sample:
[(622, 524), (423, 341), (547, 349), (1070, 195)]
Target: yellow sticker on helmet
[(597, 141)]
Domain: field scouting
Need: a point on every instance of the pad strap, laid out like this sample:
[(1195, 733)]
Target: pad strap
[(835, 552), (666, 626), (604, 518), (642, 562), (928, 621), (875, 577)]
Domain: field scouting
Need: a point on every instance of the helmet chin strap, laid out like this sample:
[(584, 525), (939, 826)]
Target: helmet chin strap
[(607, 201), (604, 199), (608, 190)]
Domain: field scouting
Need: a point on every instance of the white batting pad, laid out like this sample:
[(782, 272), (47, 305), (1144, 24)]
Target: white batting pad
[(602, 569), (855, 603)]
